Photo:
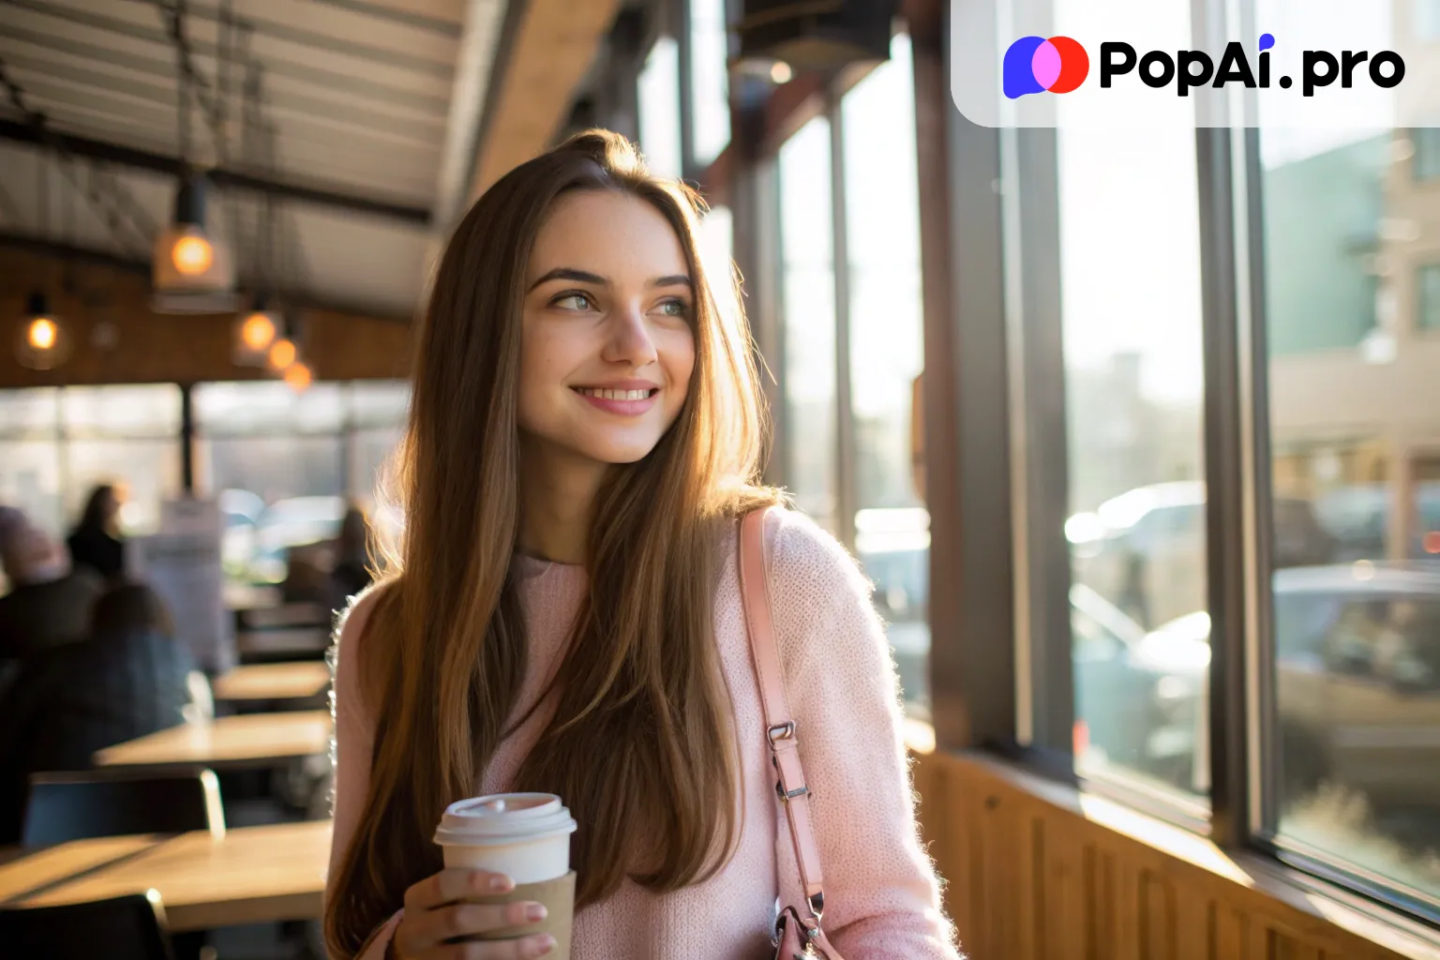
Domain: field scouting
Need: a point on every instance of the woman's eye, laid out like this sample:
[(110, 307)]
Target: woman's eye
[(574, 301), (675, 308)]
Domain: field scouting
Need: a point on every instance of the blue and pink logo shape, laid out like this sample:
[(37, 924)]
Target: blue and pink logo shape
[(1035, 65)]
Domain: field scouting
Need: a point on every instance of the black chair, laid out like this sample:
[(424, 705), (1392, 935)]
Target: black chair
[(125, 928), (77, 806)]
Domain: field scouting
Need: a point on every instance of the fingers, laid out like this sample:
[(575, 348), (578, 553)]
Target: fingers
[(526, 948), (466, 919), (448, 886)]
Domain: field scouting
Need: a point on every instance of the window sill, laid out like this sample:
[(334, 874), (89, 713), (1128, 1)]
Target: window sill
[(980, 815)]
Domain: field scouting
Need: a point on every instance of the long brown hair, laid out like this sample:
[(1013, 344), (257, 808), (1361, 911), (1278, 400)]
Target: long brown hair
[(640, 745)]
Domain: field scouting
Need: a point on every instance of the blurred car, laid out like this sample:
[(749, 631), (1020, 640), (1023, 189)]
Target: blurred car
[(1145, 549), (288, 524), (1357, 665)]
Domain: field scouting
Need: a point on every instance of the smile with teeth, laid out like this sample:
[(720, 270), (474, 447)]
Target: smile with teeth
[(615, 394)]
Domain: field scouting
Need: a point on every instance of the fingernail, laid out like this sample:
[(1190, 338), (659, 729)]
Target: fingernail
[(535, 912), (545, 944), (500, 884)]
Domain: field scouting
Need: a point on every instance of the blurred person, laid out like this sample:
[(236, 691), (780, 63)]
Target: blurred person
[(350, 574), (96, 542), (584, 435), (49, 603), (129, 679)]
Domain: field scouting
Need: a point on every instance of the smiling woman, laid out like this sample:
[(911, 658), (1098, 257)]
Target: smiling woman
[(566, 618)]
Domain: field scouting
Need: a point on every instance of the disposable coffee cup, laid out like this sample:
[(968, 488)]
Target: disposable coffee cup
[(526, 837)]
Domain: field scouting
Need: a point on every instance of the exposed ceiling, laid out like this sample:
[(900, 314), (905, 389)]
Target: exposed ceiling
[(373, 109)]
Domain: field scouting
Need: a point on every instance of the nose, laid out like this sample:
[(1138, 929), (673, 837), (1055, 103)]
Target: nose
[(630, 341)]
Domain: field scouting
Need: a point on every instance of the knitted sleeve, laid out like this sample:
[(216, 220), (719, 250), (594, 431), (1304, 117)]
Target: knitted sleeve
[(882, 898)]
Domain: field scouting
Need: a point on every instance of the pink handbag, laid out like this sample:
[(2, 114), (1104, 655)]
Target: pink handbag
[(797, 932)]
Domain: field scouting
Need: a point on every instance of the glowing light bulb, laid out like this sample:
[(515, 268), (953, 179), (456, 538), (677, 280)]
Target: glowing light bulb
[(282, 355), (192, 255), (298, 376), (257, 332), (780, 72), (42, 333)]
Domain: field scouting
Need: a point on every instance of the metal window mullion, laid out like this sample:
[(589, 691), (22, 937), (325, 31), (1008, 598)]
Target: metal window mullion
[(1227, 699), (845, 494), (1039, 445)]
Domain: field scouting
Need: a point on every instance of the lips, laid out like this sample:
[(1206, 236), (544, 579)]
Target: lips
[(624, 400)]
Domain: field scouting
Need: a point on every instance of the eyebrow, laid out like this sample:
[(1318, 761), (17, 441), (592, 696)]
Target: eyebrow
[(585, 276)]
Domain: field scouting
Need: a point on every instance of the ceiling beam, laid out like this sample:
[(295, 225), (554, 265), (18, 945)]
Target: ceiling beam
[(555, 43), (160, 163)]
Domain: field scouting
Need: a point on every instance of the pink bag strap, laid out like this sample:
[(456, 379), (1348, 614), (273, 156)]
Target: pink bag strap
[(779, 722)]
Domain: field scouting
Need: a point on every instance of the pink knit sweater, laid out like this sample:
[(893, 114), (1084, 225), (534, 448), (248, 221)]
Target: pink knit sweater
[(881, 895)]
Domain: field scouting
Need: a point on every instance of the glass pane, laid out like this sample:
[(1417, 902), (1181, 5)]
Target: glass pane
[(1351, 231), (807, 374), (267, 406), (717, 249), (709, 79), (144, 472), (30, 480), (659, 96), (277, 493), (379, 403), (151, 410), (882, 205), (1131, 314), (29, 413)]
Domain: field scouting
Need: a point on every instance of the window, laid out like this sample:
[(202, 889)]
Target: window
[(1427, 309), (1130, 304), (709, 80), (659, 99), (882, 211), (808, 335), (1355, 705), (57, 444), (284, 465)]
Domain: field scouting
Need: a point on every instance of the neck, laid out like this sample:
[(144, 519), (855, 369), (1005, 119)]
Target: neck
[(557, 502)]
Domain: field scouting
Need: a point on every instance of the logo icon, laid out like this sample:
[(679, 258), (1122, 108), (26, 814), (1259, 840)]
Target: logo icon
[(1035, 64)]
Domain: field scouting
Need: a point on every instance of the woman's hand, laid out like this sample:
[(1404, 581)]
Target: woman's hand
[(437, 912)]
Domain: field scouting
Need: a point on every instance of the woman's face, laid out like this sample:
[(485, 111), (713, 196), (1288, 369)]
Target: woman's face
[(608, 342)]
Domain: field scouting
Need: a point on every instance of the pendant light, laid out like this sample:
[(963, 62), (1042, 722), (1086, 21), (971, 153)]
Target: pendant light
[(43, 340), (192, 270), (255, 333)]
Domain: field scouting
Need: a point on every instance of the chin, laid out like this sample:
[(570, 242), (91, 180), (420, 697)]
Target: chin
[(619, 453)]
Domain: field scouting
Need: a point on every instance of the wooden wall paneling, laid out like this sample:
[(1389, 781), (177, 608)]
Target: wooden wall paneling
[(1035, 873), (1229, 932)]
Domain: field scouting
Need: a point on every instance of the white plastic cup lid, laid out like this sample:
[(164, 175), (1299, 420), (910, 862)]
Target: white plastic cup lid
[(504, 818)]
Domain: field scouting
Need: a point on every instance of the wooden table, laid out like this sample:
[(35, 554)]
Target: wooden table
[(282, 642), (227, 743), (303, 680), (251, 875)]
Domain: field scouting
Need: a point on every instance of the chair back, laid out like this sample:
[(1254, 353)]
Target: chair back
[(131, 927), (76, 806)]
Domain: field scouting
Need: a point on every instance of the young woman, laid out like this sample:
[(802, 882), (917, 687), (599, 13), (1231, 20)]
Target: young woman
[(584, 434)]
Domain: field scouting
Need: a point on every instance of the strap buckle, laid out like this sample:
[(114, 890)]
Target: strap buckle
[(787, 795), (782, 731)]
